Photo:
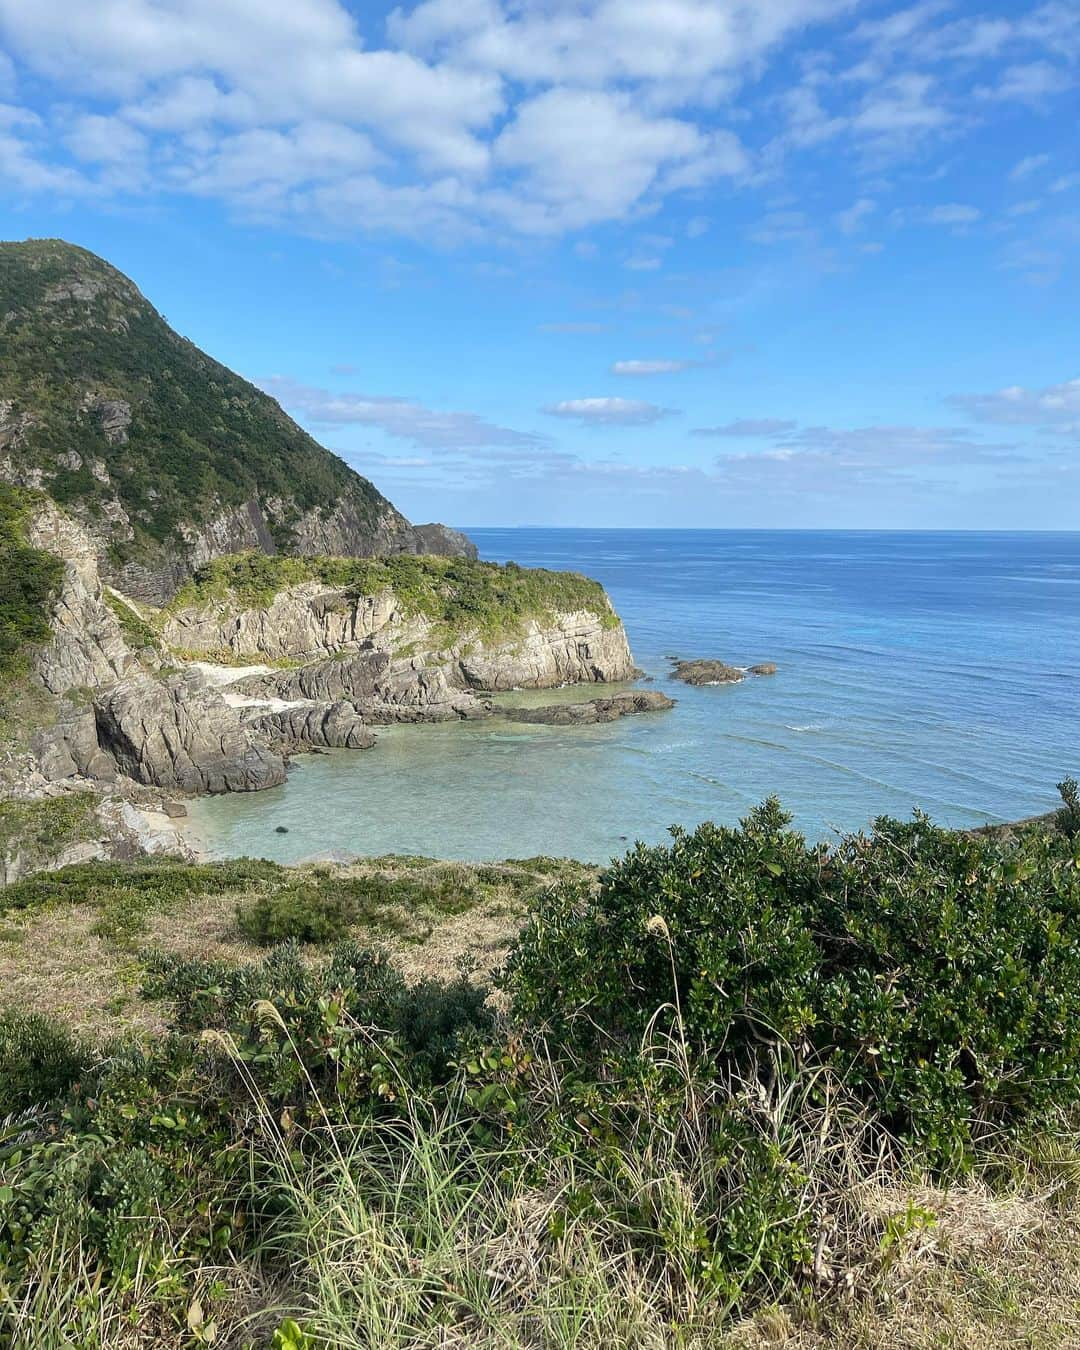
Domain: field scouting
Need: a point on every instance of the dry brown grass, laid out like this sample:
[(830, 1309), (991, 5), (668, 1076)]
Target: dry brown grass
[(54, 961)]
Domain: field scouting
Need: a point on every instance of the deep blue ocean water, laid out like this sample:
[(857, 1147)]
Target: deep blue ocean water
[(932, 670)]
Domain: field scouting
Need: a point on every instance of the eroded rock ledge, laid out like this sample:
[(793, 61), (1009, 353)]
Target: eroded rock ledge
[(132, 705)]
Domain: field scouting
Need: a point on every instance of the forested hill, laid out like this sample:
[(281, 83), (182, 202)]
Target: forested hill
[(168, 456)]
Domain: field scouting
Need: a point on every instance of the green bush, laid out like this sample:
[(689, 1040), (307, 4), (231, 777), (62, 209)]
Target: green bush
[(937, 972), (304, 913), (40, 1061)]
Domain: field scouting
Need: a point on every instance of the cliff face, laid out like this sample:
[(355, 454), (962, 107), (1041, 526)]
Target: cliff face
[(309, 622), (166, 457)]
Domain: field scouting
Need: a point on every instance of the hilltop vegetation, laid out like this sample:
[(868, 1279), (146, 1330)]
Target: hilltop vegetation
[(737, 1071), (459, 594)]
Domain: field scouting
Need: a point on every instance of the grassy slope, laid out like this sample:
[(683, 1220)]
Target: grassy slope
[(457, 594), (74, 944), (199, 434)]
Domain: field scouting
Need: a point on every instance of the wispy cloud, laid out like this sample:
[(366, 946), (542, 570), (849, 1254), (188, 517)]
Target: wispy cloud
[(748, 426), (612, 412)]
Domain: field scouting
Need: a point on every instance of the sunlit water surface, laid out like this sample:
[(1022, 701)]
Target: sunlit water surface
[(916, 670)]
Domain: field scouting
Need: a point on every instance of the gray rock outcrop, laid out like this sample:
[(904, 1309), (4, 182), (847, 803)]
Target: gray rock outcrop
[(173, 734), (382, 689), (579, 648), (69, 748)]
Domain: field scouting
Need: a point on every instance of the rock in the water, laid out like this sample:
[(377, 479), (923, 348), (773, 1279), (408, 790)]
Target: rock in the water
[(707, 672), (337, 726), (172, 734), (380, 689), (763, 668), (594, 710)]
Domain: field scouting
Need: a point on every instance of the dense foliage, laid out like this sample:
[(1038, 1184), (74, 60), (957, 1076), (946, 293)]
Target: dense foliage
[(680, 1044), (458, 594), (937, 972), (74, 333), (29, 578)]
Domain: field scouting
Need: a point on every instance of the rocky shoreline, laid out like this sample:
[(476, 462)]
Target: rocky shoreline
[(135, 715)]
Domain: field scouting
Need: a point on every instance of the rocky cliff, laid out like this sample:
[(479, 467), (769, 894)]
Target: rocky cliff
[(138, 696), (166, 457)]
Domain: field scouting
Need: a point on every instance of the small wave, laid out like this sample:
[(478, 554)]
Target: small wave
[(807, 726)]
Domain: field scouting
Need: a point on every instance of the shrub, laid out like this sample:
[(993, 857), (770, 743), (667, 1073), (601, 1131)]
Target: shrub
[(40, 1061), (938, 972), (305, 913)]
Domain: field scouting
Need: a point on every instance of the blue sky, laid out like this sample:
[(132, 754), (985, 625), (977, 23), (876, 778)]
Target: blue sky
[(616, 262)]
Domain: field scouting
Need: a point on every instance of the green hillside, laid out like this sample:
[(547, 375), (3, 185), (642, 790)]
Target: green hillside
[(110, 406)]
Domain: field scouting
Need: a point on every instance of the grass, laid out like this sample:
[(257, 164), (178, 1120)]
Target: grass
[(320, 1154), (74, 943), (456, 595), (138, 632)]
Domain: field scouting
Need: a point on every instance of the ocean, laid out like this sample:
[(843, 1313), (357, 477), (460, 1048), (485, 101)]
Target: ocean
[(930, 671)]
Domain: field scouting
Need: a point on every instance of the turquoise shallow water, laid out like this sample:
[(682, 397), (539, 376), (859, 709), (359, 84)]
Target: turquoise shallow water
[(930, 670)]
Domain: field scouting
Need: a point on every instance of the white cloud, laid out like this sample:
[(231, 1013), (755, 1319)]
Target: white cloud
[(655, 367), (105, 140), (398, 417), (1055, 405), (582, 156), (623, 412), (1065, 183)]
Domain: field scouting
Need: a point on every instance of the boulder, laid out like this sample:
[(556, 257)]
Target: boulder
[(172, 734)]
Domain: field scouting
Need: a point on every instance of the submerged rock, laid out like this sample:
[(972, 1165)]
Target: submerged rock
[(594, 710)]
